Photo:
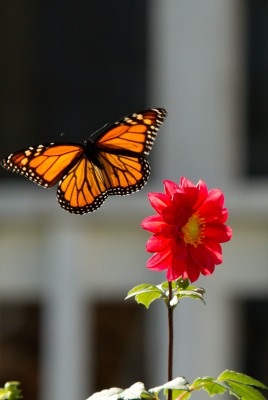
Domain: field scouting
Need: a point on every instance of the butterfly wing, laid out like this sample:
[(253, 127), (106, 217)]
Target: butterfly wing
[(44, 164), (135, 133), (85, 187), (124, 170)]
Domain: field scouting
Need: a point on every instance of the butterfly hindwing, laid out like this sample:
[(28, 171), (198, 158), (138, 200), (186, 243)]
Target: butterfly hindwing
[(81, 189), (86, 186), (123, 173), (108, 163)]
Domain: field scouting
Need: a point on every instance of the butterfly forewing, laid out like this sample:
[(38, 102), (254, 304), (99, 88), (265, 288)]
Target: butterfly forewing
[(108, 163), (134, 133), (43, 164)]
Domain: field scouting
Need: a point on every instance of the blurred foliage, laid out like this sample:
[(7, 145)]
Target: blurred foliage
[(10, 391)]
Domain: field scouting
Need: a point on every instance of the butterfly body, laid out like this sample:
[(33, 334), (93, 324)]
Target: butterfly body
[(91, 152), (108, 163)]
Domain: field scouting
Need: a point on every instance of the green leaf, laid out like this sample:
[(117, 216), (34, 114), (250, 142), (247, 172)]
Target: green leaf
[(211, 385), (194, 294), (165, 286), (245, 392), (242, 378), (147, 298), (145, 294), (237, 384), (179, 395), (111, 394), (179, 383), (196, 289), (135, 392), (140, 288)]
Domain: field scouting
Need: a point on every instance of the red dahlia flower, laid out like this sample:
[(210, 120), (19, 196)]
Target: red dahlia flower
[(187, 231)]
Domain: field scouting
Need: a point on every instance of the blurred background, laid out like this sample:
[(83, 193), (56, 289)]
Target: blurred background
[(70, 67)]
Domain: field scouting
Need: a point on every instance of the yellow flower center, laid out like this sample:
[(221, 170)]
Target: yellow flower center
[(193, 230)]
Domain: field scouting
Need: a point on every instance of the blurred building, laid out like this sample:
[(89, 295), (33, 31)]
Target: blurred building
[(65, 329)]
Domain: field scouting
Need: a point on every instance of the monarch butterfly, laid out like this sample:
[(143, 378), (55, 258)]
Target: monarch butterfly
[(111, 162)]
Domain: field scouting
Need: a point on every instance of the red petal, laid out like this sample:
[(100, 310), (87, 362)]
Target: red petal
[(218, 232), (178, 266), (192, 272), (192, 195), (224, 215), (203, 193), (175, 270), (187, 268), (170, 187), (184, 182), (203, 258), (159, 201), (216, 195), (153, 223), (180, 210), (211, 208), (157, 243), (159, 261), (179, 250), (216, 251), (207, 270)]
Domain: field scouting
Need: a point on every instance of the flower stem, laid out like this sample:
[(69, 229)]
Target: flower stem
[(170, 339)]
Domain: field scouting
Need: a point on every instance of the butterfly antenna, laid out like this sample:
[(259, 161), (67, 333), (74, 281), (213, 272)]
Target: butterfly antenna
[(100, 130)]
